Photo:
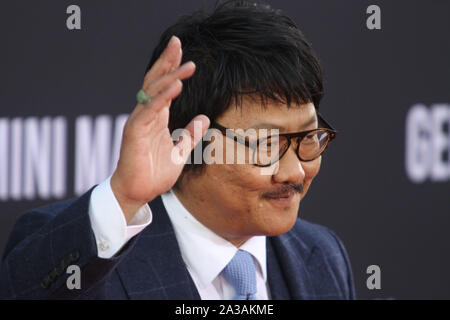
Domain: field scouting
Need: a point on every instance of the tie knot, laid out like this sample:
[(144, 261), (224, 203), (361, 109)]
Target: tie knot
[(241, 274)]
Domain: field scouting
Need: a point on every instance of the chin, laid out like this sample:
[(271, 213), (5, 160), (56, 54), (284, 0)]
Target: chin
[(279, 225), (281, 217)]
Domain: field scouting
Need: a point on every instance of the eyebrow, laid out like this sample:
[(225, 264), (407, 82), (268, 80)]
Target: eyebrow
[(268, 125)]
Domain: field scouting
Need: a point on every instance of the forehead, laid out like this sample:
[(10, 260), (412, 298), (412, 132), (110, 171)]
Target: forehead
[(251, 113)]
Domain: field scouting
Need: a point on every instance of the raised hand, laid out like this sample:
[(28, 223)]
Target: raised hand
[(146, 168)]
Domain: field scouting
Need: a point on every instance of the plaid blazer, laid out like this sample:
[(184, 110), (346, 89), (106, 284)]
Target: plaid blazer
[(308, 262)]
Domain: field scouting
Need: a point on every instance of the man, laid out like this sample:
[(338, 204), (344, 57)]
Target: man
[(223, 230)]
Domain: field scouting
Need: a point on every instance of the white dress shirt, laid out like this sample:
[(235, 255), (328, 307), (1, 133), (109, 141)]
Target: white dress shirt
[(204, 253), (108, 221)]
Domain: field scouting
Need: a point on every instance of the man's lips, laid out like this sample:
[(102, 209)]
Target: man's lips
[(280, 196), (281, 200)]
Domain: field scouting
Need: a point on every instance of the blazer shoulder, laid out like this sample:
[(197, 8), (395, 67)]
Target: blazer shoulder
[(34, 219), (38, 216), (52, 208)]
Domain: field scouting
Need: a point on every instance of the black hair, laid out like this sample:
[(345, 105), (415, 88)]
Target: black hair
[(241, 48)]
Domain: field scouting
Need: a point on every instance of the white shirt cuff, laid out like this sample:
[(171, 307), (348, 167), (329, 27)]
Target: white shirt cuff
[(108, 221)]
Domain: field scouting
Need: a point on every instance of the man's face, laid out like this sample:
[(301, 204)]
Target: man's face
[(237, 201)]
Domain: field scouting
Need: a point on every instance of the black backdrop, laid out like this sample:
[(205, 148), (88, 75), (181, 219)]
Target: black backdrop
[(386, 213)]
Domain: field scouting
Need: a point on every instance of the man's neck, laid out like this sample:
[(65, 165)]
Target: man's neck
[(198, 208)]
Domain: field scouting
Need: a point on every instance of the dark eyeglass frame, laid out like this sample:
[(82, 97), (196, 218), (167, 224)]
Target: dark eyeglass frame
[(254, 145)]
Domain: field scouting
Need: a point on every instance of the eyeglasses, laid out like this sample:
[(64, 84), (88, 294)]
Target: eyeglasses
[(270, 149)]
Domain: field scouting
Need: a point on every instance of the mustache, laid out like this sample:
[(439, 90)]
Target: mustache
[(284, 189)]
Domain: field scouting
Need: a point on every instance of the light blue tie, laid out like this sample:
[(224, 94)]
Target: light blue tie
[(241, 274)]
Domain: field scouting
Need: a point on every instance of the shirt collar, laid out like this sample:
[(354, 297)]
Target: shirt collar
[(204, 252)]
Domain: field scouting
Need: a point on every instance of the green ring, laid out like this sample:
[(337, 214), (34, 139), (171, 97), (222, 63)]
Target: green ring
[(143, 97)]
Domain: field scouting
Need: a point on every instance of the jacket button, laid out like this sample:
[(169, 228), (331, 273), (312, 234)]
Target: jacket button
[(66, 261), (46, 282), (60, 269), (74, 256), (53, 275)]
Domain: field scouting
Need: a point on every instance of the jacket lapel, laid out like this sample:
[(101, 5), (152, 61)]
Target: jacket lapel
[(275, 277), (155, 269), (287, 268)]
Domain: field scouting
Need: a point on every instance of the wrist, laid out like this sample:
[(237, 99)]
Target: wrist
[(128, 205)]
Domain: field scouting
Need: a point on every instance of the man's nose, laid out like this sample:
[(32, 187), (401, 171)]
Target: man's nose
[(290, 168)]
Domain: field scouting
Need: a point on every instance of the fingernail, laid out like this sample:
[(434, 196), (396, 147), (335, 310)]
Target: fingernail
[(172, 40), (188, 64)]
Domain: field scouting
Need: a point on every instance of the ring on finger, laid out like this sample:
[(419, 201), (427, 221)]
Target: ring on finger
[(143, 97)]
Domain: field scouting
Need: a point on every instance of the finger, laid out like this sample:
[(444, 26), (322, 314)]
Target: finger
[(191, 135), (169, 59), (183, 72), (154, 106), (147, 113), (162, 119)]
